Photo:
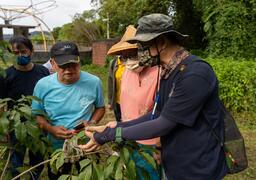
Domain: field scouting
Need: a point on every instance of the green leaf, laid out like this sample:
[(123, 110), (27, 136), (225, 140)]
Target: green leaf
[(16, 118), (84, 163), (86, 173), (26, 110), (111, 161), (4, 123), (125, 154), (60, 161), (64, 177), (21, 132), (131, 170), (33, 130), (56, 153), (97, 168), (119, 173), (149, 159), (54, 158), (74, 178)]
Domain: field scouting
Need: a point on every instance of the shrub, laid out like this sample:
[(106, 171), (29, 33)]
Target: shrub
[(237, 84)]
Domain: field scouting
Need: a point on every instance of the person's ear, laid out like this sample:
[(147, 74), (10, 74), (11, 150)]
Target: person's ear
[(162, 42), (53, 63)]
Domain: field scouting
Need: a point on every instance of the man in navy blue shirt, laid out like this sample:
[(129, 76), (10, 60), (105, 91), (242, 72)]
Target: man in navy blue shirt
[(188, 108)]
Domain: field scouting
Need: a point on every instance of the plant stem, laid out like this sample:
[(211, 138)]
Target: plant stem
[(41, 163), (6, 165)]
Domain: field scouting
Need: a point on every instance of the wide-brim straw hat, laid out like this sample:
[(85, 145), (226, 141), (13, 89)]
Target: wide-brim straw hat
[(122, 45), (153, 25)]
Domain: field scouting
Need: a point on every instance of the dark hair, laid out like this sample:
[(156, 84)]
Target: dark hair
[(20, 40)]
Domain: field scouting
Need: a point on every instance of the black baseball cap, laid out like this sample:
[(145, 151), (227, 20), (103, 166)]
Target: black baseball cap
[(65, 52)]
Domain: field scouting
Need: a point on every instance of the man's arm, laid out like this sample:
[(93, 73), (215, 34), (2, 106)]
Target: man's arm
[(57, 131), (98, 114)]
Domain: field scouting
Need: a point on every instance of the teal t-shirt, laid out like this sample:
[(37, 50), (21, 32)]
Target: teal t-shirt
[(67, 105)]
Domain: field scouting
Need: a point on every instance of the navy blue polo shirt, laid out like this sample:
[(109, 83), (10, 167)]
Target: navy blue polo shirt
[(190, 150)]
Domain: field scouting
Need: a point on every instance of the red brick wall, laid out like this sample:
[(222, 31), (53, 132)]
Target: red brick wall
[(99, 51)]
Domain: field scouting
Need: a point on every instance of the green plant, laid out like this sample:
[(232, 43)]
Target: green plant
[(112, 161), (230, 27), (237, 86), (19, 121)]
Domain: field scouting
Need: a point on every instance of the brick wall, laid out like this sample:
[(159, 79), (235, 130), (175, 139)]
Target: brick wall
[(100, 49)]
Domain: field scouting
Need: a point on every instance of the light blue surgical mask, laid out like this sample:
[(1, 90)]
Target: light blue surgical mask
[(23, 60)]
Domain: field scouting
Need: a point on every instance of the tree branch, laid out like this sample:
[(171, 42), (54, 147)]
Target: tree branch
[(41, 163)]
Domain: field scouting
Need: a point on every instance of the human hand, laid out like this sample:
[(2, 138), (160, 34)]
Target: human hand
[(60, 132), (112, 124), (93, 145)]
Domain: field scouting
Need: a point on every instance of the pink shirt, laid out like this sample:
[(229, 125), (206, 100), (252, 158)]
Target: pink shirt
[(137, 95)]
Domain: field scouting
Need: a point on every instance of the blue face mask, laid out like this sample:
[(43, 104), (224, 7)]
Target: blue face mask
[(23, 60)]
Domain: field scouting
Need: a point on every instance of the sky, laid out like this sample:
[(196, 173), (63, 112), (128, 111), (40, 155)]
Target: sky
[(62, 14)]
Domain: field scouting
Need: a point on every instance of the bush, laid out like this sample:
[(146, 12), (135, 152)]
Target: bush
[(237, 84)]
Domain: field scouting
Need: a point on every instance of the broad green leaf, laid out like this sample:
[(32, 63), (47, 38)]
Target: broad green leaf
[(16, 118), (21, 132), (26, 110), (33, 130), (64, 177), (149, 159), (5, 100), (56, 152), (4, 123), (125, 154), (119, 168), (86, 173), (110, 166), (97, 169), (131, 170), (74, 178), (84, 163), (54, 158), (60, 161)]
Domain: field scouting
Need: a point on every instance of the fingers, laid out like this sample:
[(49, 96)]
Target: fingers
[(111, 124), (95, 128), (89, 134), (90, 146)]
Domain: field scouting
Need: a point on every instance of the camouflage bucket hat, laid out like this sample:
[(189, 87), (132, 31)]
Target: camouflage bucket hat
[(153, 25)]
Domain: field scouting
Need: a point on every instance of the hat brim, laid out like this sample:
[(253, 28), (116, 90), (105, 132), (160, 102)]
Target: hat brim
[(120, 47), (150, 36), (66, 59)]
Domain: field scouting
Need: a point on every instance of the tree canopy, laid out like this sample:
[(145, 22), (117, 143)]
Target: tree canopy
[(221, 27)]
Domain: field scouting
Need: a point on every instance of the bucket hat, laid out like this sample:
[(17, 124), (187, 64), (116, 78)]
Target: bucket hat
[(122, 44), (153, 25)]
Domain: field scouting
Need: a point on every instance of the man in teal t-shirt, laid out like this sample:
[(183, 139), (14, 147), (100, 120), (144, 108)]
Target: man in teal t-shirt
[(68, 96)]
